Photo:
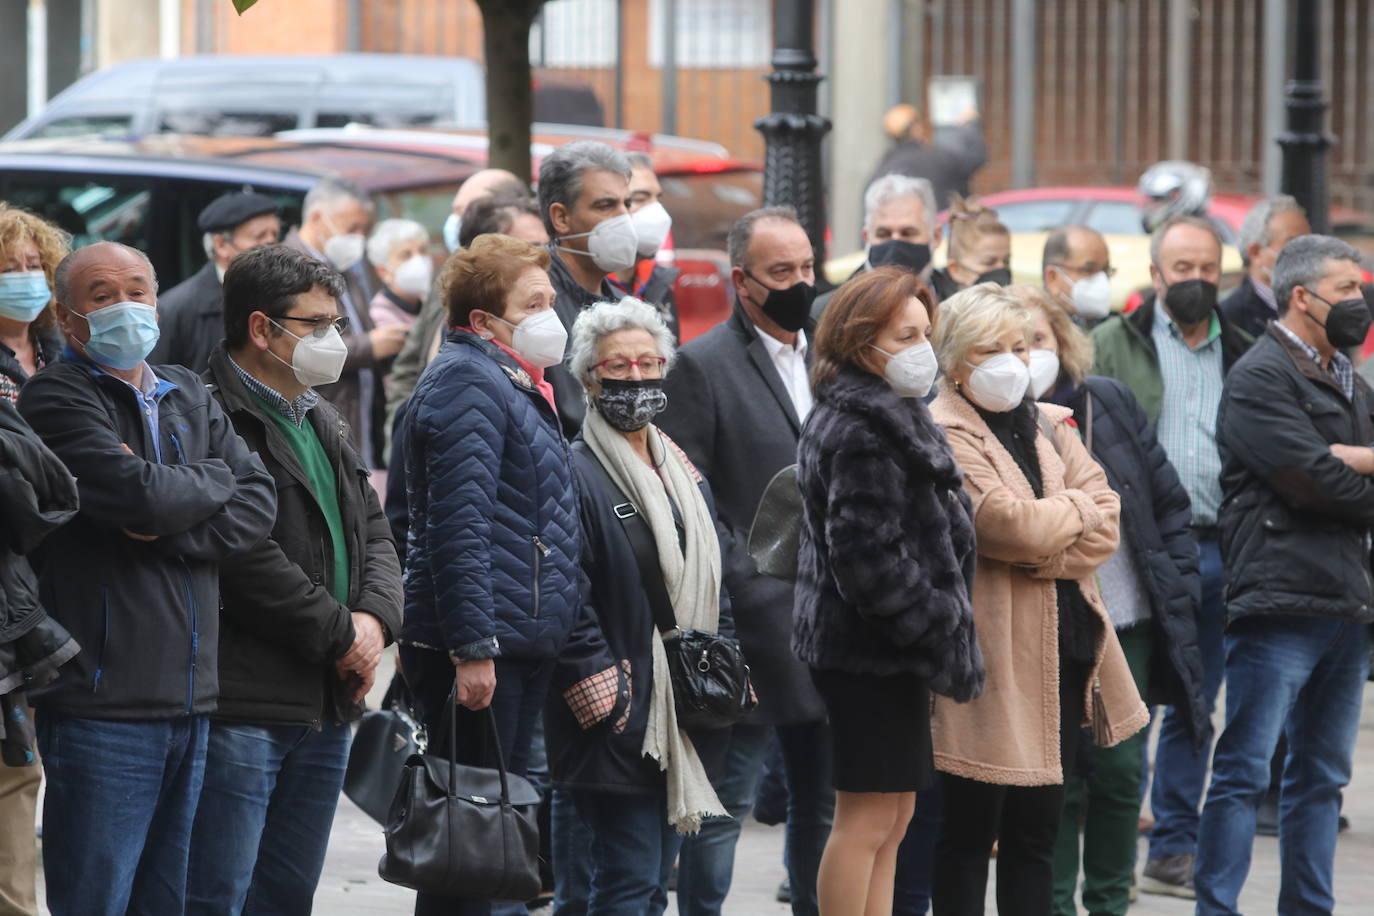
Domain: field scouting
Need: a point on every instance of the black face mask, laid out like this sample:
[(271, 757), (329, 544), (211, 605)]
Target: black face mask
[(630, 404), (1190, 301), (910, 256), (999, 275), (1347, 323), (789, 308)]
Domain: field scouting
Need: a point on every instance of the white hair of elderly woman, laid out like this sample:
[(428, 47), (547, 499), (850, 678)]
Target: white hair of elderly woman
[(392, 232), (606, 318)]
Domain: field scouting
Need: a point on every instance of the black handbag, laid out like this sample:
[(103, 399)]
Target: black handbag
[(385, 740), (710, 678), (463, 831)]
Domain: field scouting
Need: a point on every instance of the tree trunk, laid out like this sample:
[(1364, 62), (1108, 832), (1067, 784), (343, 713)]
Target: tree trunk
[(510, 93)]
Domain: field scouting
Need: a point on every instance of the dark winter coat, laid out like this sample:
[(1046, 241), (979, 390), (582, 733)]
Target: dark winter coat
[(1294, 518), (947, 164), (146, 613), (282, 628), (493, 546), (615, 628), (190, 320), (887, 549), (48, 348), (36, 496), (571, 300), (729, 411), (1124, 349), (1246, 310), (1156, 515)]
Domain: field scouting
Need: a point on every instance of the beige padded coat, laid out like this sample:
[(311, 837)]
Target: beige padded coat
[(1010, 735)]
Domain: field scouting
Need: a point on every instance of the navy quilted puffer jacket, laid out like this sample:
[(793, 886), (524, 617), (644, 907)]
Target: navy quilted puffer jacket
[(492, 551)]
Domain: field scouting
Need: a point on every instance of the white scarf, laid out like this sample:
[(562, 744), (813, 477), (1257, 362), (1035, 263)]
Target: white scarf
[(693, 582)]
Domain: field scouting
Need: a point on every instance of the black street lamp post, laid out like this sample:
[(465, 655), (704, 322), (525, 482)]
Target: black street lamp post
[(792, 131), (1306, 141)]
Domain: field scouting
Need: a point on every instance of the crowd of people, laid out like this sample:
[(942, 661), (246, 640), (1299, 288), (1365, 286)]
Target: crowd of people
[(1023, 524)]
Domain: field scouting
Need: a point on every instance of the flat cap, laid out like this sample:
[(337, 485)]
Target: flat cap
[(230, 210)]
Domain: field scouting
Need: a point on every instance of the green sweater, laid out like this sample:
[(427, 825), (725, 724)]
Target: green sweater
[(309, 451)]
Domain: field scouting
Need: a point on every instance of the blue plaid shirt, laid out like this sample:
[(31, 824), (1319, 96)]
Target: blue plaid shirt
[(1187, 425), (294, 410)]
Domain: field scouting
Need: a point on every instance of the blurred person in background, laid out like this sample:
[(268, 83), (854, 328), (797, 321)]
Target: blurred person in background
[(484, 183), (333, 228), (1151, 588), (899, 229), (398, 250), (948, 163), (649, 279), (191, 314), (30, 250), (1076, 270), (979, 250), (1271, 224)]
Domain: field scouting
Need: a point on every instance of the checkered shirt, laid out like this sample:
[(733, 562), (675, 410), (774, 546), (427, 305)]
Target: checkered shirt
[(1187, 424)]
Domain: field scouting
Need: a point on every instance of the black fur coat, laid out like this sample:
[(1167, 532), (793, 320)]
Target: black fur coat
[(887, 545)]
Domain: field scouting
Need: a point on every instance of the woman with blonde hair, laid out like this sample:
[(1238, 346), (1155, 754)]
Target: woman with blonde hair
[(30, 250), (979, 249), (1151, 587), (1046, 520)]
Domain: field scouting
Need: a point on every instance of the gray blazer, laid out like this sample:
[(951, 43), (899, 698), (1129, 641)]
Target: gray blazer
[(731, 414)]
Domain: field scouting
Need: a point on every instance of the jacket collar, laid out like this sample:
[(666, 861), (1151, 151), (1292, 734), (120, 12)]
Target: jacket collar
[(564, 281), (954, 412), (1234, 342), (1305, 364), (744, 329), (907, 420)]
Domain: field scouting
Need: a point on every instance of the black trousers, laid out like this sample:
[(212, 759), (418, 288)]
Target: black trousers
[(1023, 821)]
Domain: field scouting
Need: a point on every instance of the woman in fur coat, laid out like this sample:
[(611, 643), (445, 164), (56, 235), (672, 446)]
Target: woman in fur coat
[(1046, 519), (883, 615)]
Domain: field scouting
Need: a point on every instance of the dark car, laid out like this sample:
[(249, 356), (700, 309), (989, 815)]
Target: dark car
[(148, 193)]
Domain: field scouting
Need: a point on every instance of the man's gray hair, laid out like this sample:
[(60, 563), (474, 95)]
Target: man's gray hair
[(1187, 219), (1303, 263), (604, 318), (390, 233), (560, 174), (640, 160), (61, 280), (207, 241), (893, 187), (1254, 229), (737, 244), (332, 190)]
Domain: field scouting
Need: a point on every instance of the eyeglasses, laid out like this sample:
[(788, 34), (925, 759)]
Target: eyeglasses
[(320, 326), (1109, 270), (649, 366)]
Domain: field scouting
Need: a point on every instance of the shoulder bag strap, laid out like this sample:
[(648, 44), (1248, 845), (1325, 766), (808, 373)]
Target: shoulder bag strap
[(641, 543)]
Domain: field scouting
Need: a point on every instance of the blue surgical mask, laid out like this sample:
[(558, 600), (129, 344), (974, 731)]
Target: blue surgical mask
[(122, 335), (23, 295), (452, 226)]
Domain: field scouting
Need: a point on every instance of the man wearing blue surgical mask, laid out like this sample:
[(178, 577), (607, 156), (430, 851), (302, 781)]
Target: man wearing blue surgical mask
[(168, 491), (584, 196)]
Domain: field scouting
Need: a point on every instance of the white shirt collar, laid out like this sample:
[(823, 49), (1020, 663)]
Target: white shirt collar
[(775, 346)]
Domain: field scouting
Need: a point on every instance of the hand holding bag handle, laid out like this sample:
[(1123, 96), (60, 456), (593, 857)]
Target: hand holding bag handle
[(463, 831)]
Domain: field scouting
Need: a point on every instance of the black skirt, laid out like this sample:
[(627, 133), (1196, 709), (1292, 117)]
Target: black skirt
[(880, 731)]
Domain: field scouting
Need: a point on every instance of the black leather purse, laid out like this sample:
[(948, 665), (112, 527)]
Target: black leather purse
[(385, 740), (463, 831), (711, 687)]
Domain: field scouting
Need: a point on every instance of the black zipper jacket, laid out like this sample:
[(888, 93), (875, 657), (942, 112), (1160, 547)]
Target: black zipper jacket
[(144, 612), (282, 628)]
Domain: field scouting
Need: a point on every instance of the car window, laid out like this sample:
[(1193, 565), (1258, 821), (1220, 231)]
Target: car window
[(1035, 215), (1111, 217), (108, 209), (429, 206), (215, 122), (391, 119), (85, 125), (704, 205), (181, 204)]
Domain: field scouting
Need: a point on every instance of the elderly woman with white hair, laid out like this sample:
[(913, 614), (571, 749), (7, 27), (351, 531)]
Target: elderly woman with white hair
[(1045, 520), (398, 250), (628, 780)]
